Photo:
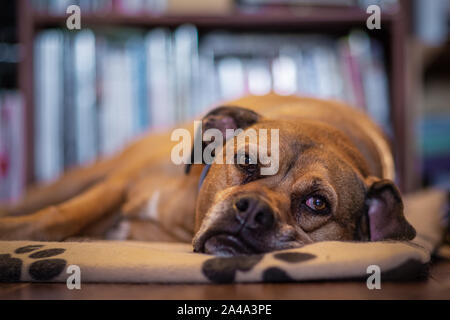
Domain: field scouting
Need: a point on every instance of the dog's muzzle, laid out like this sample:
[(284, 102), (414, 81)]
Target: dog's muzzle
[(242, 229)]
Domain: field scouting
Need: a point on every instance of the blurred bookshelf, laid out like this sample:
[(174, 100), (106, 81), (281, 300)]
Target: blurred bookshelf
[(433, 120), (429, 91), (11, 108), (323, 26)]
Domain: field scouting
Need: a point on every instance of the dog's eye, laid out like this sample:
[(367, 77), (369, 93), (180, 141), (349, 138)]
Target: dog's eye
[(246, 163), (316, 203)]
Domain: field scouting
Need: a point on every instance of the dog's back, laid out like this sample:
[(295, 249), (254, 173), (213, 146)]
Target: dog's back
[(356, 125)]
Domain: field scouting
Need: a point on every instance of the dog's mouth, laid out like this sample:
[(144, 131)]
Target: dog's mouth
[(227, 245)]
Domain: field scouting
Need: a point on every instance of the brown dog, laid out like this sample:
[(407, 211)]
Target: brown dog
[(334, 182)]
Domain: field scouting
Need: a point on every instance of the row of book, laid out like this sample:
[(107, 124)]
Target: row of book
[(350, 69), (58, 7), (384, 4), (12, 146), (96, 91)]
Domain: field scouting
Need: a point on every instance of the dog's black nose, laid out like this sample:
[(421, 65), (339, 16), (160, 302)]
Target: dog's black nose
[(254, 212)]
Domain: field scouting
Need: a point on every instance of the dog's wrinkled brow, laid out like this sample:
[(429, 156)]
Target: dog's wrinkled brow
[(298, 148)]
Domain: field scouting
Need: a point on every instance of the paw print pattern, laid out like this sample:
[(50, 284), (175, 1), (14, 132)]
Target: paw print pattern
[(10, 268), (46, 253), (44, 269), (223, 270), (293, 257), (275, 274), (27, 249)]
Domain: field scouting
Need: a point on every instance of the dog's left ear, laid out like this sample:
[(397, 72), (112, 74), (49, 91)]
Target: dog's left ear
[(223, 118), (385, 212)]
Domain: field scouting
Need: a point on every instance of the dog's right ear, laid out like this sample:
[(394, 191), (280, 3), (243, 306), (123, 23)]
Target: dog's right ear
[(223, 118)]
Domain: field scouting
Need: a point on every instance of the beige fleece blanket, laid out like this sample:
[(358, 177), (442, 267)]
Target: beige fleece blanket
[(138, 262)]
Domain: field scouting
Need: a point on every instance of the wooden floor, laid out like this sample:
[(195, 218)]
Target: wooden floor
[(437, 286)]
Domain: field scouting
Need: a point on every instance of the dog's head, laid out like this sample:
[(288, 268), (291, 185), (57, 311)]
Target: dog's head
[(320, 190)]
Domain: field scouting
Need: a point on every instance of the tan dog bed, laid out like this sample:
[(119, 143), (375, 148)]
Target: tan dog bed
[(138, 262)]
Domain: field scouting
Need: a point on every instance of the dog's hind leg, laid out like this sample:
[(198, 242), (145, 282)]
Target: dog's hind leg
[(69, 218), (68, 186), (80, 179), (56, 223)]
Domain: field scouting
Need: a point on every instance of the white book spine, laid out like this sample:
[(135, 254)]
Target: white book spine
[(49, 79), (85, 99)]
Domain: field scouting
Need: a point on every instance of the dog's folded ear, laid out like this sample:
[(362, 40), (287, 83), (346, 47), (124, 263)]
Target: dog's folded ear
[(385, 212), (223, 118), (229, 117)]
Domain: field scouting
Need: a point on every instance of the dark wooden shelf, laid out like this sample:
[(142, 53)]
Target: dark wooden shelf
[(305, 17)]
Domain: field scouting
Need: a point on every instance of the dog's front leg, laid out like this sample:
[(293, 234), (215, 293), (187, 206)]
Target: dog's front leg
[(167, 201)]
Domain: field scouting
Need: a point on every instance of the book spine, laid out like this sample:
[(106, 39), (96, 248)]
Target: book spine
[(48, 115)]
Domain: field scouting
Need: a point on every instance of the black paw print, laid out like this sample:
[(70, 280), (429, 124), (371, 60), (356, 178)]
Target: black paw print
[(275, 274), (10, 268), (293, 257), (40, 270), (223, 270)]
